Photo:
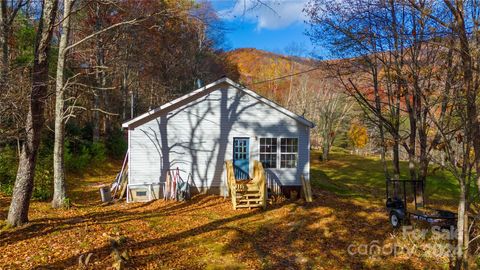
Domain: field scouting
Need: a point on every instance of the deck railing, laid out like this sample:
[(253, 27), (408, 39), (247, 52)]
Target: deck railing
[(274, 187)]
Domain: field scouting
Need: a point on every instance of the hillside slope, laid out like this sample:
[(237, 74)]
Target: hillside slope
[(257, 68), (260, 70)]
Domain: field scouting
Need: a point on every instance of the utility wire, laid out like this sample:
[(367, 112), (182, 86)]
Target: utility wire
[(287, 76)]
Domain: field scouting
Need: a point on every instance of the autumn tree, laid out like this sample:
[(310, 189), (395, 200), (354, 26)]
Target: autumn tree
[(61, 115), (22, 192), (355, 28), (95, 76), (455, 21), (8, 13), (419, 57), (119, 28), (358, 135), (58, 155)]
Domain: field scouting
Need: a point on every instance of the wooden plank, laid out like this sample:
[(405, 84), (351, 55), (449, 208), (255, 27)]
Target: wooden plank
[(304, 187), (307, 189), (120, 176), (123, 189)]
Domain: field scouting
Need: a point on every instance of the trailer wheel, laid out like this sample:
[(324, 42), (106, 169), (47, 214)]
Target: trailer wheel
[(395, 220)]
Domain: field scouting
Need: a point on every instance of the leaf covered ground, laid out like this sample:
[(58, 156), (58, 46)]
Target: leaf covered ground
[(204, 233)]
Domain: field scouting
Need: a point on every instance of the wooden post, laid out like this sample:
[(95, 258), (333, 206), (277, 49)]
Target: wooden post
[(307, 189)]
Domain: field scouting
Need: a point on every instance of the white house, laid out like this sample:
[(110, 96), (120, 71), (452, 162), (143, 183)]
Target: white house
[(199, 131)]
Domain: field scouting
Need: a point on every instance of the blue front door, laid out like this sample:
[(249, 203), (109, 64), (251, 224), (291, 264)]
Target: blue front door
[(241, 156)]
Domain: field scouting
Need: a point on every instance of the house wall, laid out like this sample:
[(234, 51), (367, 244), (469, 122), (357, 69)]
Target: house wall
[(197, 137)]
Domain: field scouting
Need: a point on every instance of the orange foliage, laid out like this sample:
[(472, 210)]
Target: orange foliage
[(257, 66), (358, 135)]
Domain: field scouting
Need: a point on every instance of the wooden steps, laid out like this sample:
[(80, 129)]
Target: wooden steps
[(249, 199), (247, 194)]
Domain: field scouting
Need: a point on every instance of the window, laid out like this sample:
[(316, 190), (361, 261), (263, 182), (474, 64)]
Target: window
[(268, 152), (141, 193), (288, 152)]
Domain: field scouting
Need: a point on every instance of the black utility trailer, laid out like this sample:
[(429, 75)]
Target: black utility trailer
[(397, 205)]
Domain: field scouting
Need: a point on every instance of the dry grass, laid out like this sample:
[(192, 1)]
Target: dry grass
[(202, 233)]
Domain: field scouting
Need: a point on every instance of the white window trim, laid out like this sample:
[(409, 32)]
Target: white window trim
[(279, 161), (277, 164), (279, 151)]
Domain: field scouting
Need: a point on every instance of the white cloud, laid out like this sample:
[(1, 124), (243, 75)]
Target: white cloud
[(267, 14)]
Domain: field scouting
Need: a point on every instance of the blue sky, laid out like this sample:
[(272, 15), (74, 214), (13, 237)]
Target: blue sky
[(279, 27)]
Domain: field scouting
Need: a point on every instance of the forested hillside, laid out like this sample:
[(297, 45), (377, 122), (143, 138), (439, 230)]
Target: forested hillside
[(307, 87), (71, 76), (119, 61), (400, 99), (257, 68)]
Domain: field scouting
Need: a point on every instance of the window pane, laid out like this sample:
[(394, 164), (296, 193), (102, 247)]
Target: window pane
[(289, 145), (268, 150), (288, 161)]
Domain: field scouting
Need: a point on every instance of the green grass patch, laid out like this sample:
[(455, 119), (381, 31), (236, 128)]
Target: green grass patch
[(362, 177)]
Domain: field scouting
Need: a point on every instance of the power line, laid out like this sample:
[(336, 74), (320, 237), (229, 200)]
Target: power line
[(287, 76)]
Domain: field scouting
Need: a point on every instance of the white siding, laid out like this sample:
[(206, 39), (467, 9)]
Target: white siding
[(197, 137)]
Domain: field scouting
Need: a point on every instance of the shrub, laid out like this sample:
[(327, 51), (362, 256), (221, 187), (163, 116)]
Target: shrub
[(76, 161), (8, 169), (116, 144), (98, 152), (43, 187), (79, 156), (67, 203)]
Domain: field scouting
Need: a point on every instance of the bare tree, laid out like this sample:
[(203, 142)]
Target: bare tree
[(61, 115), (326, 106), (357, 28), (408, 41), (460, 16), (333, 109), (22, 192), (58, 150)]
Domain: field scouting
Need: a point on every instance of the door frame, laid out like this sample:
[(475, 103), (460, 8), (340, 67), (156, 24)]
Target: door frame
[(249, 146)]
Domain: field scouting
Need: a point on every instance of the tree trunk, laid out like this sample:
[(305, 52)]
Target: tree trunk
[(396, 157), (411, 109), (106, 99), (98, 78), (325, 150), (22, 191), (132, 104), (58, 148), (462, 228), (96, 117), (378, 108), (423, 161), (4, 37), (152, 90), (124, 92)]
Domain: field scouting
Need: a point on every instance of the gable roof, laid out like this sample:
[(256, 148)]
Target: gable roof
[(204, 90)]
